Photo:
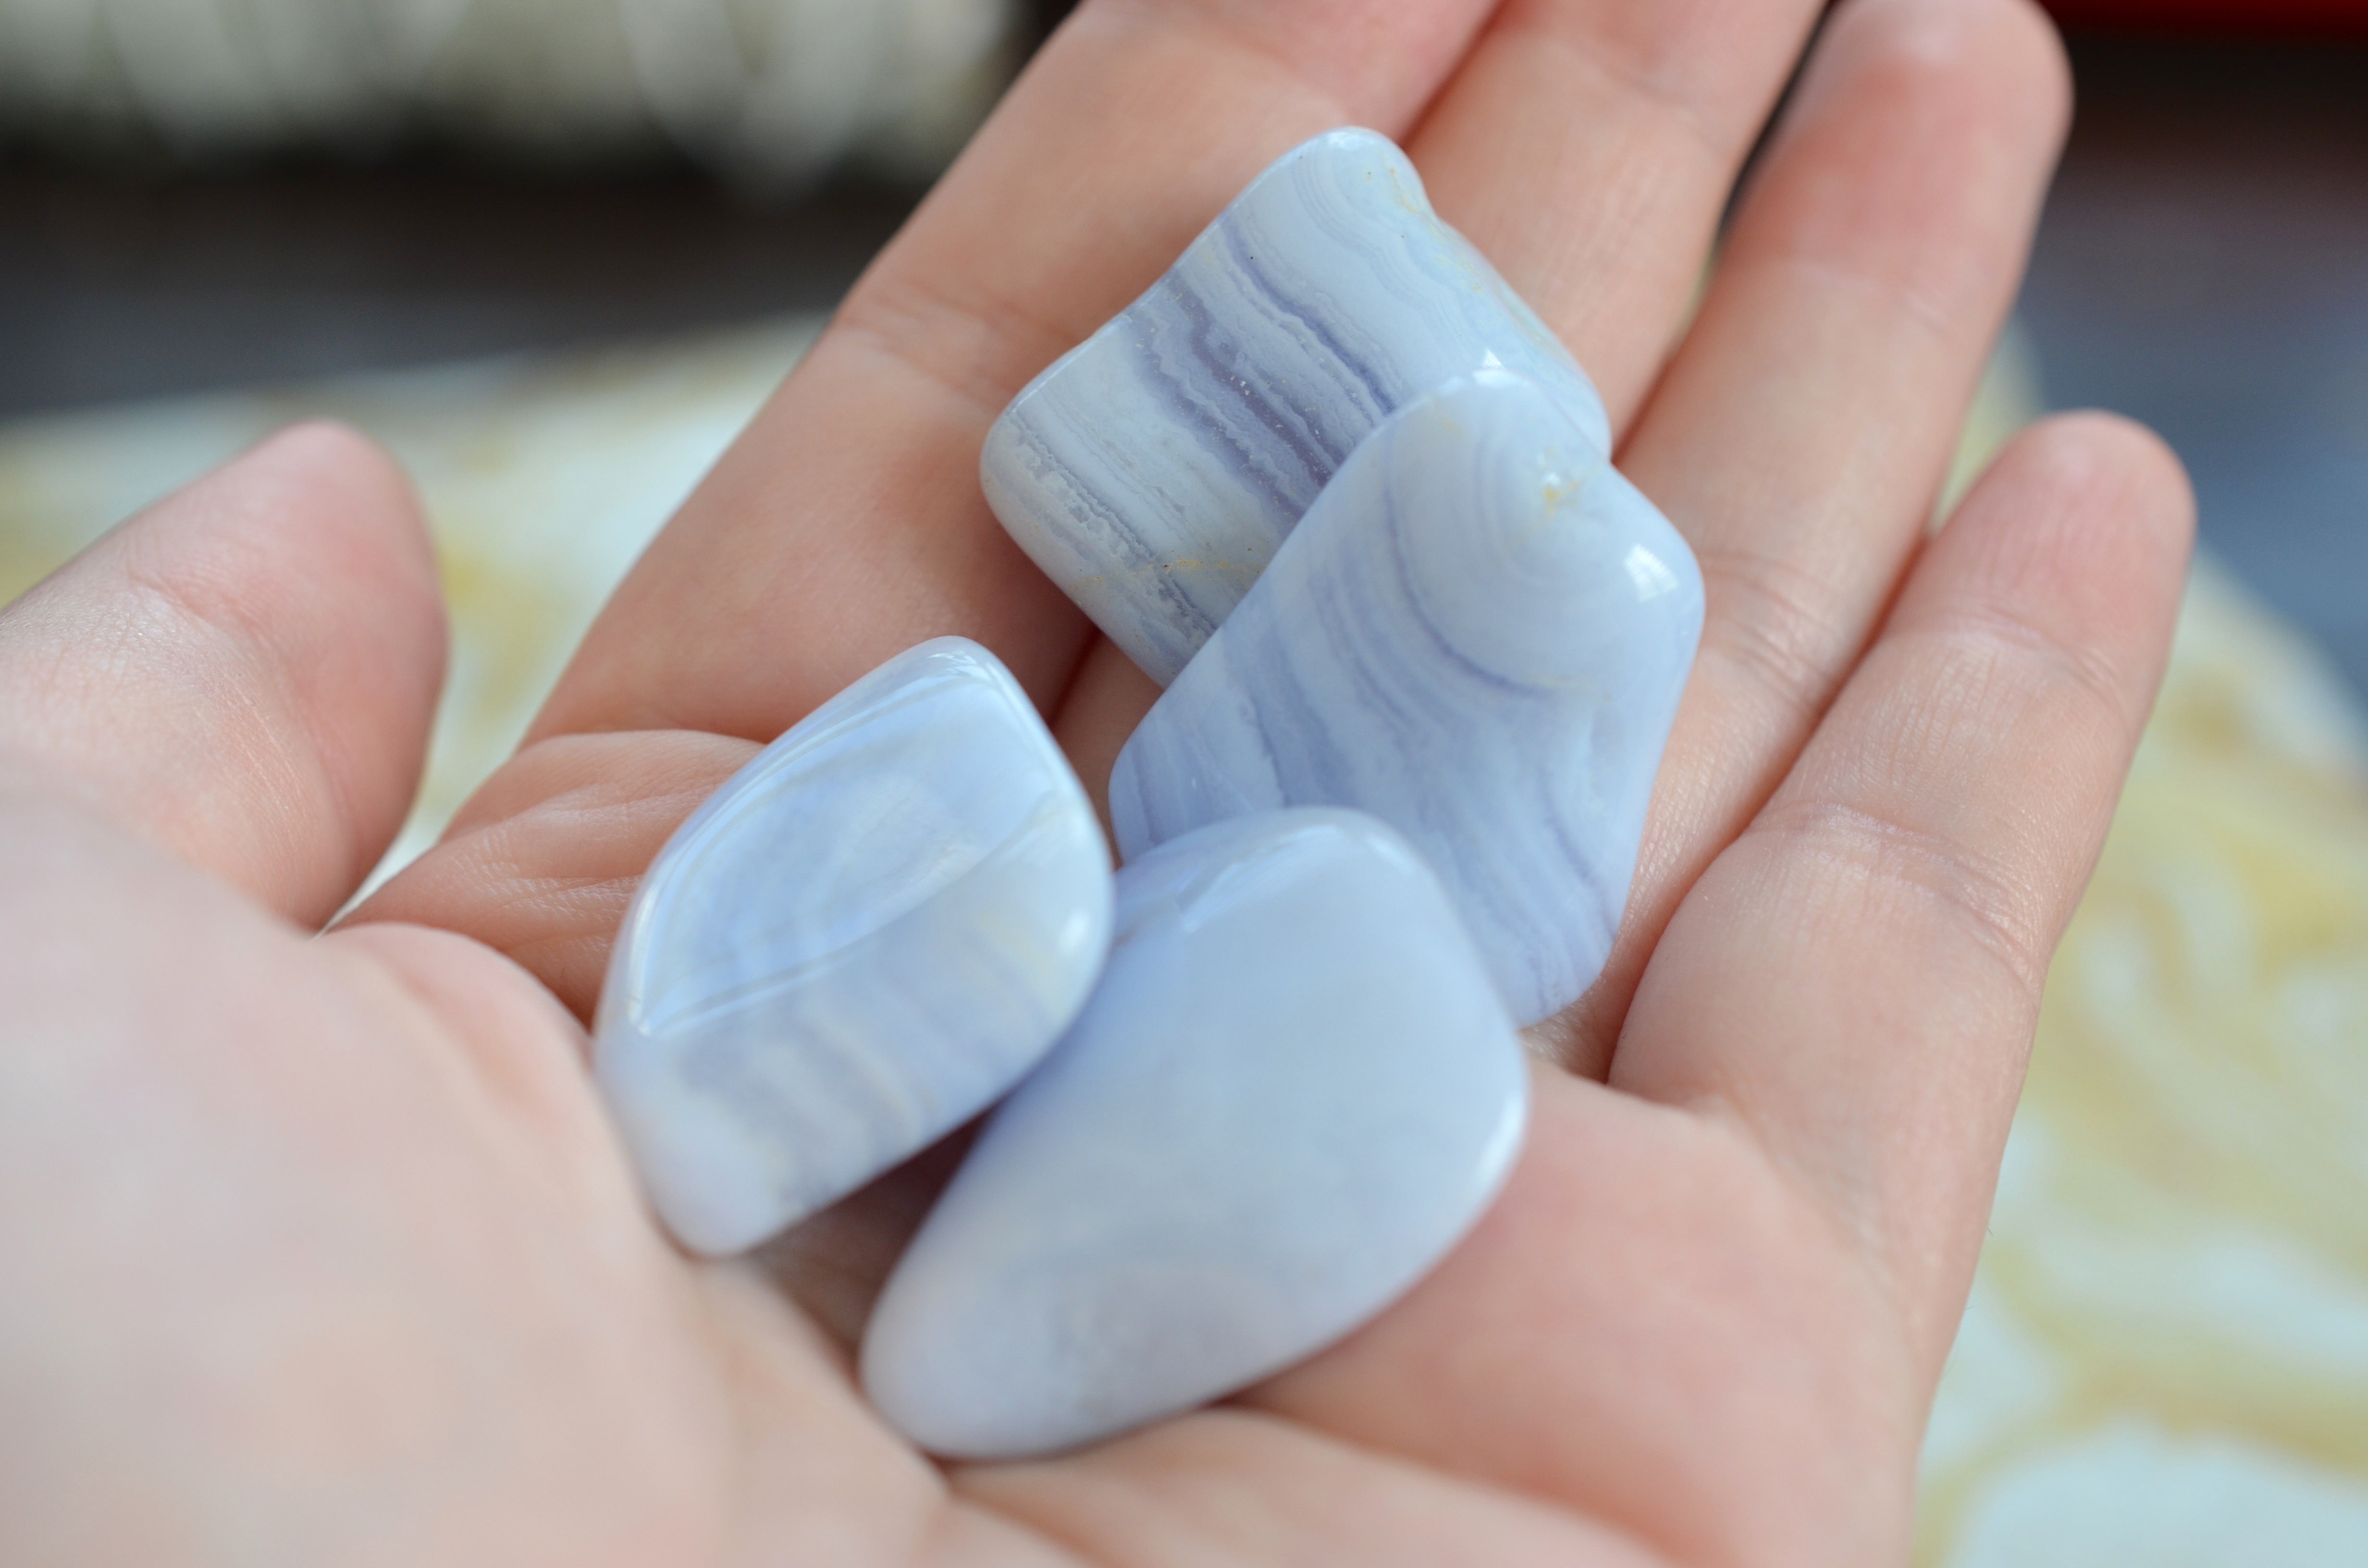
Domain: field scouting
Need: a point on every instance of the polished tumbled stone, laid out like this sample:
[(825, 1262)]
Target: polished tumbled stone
[(1478, 633), (866, 936), (1153, 471), (1293, 1092)]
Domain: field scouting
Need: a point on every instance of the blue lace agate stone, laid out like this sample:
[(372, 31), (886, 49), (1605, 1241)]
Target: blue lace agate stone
[(1292, 1094), (867, 934), (1478, 633), (1153, 471)]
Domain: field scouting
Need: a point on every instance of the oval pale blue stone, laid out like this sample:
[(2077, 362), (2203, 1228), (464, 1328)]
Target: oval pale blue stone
[(1293, 1092)]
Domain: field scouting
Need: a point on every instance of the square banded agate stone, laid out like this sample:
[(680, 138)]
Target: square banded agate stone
[(1478, 633), (867, 935), (1153, 471)]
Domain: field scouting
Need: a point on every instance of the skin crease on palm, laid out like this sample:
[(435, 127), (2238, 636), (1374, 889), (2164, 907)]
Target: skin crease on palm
[(321, 1250)]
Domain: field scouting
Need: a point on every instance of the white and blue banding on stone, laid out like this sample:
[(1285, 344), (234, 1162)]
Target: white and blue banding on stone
[(1153, 469), (863, 939), (1478, 633)]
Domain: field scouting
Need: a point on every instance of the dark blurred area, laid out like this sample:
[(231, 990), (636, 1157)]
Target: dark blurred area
[(114, 287), (2202, 266), (565, 187), (2266, 17)]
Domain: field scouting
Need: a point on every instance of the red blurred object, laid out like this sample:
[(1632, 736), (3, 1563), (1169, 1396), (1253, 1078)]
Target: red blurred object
[(2254, 16)]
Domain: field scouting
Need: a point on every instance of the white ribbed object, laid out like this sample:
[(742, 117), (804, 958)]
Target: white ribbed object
[(774, 92)]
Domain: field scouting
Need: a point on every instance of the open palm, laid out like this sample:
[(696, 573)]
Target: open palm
[(322, 1250)]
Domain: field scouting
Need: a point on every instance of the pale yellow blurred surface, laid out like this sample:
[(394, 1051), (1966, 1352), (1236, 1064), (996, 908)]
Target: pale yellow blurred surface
[(543, 478), (2165, 1361)]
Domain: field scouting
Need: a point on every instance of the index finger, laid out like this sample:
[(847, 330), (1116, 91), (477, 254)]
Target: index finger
[(845, 523)]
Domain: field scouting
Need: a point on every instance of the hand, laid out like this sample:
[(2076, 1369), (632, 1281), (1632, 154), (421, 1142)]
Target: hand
[(321, 1249)]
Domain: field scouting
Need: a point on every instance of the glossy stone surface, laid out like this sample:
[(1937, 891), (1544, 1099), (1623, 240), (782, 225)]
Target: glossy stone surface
[(1153, 471), (867, 935), (1294, 1090), (1478, 633)]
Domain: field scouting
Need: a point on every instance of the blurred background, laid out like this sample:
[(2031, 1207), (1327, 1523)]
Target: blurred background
[(554, 252)]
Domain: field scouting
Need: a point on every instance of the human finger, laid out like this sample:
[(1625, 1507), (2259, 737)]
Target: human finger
[(1677, 1271), (1855, 981), (1588, 147), (246, 672), (1802, 432), (846, 524)]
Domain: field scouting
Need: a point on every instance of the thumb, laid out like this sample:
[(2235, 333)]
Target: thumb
[(245, 673)]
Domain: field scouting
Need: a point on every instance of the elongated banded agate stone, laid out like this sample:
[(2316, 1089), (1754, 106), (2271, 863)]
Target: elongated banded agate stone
[(1292, 1094), (1153, 469), (1478, 633), (863, 938)]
